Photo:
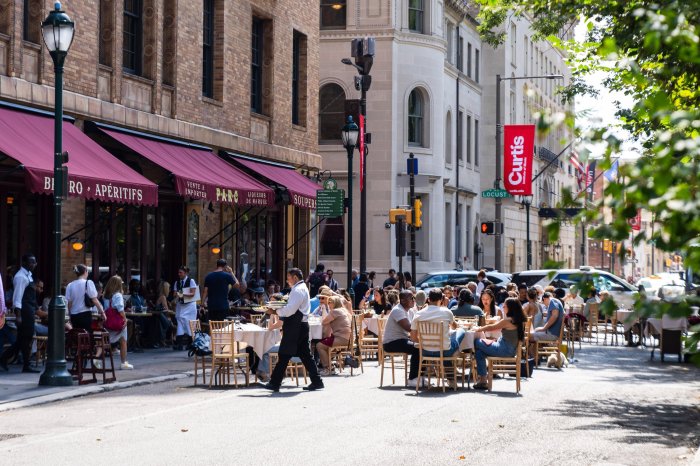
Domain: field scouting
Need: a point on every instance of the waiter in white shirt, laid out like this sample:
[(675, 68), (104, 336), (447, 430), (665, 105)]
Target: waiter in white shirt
[(25, 326), (295, 333)]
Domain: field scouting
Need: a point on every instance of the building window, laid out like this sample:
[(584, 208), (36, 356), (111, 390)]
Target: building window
[(416, 11), (448, 138), (468, 234), (460, 54), (261, 65), (450, 32), (133, 37), (331, 113), (476, 143), (299, 65), (469, 60), (460, 133), (332, 237), (416, 113), (469, 139), (513, 43), (333, 14), (476, 65), (169, 41), (208, 49), (106, 32), (32, 20)]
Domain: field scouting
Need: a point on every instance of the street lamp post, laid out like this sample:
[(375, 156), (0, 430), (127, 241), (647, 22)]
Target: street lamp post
[(58, 31), (349, 135), (527, 201), (499, 156), (557, 251)]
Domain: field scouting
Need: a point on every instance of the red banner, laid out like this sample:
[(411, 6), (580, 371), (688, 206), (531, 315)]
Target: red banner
[(636, 221), (362, 152), (518, 144)]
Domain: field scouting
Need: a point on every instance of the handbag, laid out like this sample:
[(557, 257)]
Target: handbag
[(87, 299), (114, 320)]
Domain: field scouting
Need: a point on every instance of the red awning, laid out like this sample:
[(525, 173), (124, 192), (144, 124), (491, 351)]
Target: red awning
[(199, 173), (302, 190), (93, 173)]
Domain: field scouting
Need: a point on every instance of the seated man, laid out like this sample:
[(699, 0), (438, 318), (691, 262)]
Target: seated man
[(465, 306), (551, 329), (435, 313), (396, 334)]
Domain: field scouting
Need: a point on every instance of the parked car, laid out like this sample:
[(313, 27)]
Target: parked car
[(654, 283), (459, 277), (622, 292)]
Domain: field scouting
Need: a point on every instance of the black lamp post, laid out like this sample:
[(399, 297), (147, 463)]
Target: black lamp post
[(349, 135), (58, 31), (527, 201)]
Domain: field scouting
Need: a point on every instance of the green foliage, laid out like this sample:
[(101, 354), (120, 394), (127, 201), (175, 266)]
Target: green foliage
[(650, 51)]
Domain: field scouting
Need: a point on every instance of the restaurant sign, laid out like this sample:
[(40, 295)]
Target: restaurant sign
[(329, 202), (103, 190)]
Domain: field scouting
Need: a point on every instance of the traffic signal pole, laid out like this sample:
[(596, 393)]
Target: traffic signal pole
[(412, 195)]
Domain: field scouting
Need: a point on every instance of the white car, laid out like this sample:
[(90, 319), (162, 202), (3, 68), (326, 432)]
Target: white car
[(622, 292), (459, 277), (653, 284)]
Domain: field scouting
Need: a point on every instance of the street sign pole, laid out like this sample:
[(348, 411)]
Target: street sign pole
[(413, 165), (401, 245)]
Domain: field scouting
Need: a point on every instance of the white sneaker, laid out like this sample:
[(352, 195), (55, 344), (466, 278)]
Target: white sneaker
[(97, 363), (126, 366), (422, 380), (327, 372)]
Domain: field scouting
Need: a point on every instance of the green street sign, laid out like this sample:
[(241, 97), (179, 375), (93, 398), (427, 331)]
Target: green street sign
[(495, 193), (329, 202)]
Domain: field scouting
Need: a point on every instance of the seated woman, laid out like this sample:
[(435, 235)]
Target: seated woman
[(115, 299), (592, 299), (534, 308), (336, 327), (512, 333), (161, 320), (487, 303)]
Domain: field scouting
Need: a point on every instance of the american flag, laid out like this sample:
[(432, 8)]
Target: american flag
[(580, 170)]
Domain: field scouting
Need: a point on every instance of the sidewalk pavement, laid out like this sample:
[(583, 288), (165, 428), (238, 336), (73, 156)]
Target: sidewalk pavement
[(151, 366)]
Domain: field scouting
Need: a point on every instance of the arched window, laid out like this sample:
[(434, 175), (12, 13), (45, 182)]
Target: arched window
[(448, 138), (331, 113), (416, 114)]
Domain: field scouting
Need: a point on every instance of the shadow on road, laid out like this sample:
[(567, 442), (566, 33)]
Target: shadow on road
[(670, 424)]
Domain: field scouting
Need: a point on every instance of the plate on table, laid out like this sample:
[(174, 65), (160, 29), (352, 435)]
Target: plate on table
[(276, 304)]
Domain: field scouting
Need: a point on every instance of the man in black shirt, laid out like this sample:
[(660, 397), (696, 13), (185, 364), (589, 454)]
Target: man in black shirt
[(391, 281), (216, 290)]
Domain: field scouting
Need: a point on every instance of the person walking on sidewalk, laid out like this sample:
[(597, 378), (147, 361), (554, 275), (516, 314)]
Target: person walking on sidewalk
[(295, 333), (186, 307), (216, 289), (115, 298)]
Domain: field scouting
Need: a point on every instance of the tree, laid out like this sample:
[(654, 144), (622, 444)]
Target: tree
[(651, 52)]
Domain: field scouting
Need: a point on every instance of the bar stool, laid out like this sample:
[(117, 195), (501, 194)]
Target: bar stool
[(101, 341), (79, 352)]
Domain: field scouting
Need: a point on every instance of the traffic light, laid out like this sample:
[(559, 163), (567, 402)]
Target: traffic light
[(418, 212), (488, 228), (393, 213)]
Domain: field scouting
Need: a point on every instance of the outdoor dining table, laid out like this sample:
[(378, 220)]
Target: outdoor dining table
[(627, 318), (470, 336), (260, 339), (371, 324), (656, 325)]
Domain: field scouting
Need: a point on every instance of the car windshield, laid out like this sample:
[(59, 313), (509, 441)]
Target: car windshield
[(529, 279)]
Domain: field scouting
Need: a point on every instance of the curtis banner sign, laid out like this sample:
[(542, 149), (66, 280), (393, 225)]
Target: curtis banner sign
[(518, 144)]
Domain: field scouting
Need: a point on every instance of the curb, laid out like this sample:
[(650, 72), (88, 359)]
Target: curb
[(91, 390)]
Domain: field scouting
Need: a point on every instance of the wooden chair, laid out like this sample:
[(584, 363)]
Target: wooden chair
[(431, 338), (40, 354), (354, 348), (226, 355), (593, 310), (293, 368), (392, 357), (79, 353), (196, 326), (101, 342), (503, 365), (547, 347), (369, 344)]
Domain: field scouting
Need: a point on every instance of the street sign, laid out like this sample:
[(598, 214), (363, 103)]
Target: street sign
[(412, 166), (420, 181), (329, 202), (495, 193)]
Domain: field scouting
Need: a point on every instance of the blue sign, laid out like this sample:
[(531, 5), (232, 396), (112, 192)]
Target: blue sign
[(412, 166)]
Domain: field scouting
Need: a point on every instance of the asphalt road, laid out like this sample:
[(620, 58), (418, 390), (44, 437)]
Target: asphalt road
[(612, 407)]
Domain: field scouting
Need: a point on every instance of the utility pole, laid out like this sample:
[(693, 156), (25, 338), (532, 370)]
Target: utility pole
[(413, 165)]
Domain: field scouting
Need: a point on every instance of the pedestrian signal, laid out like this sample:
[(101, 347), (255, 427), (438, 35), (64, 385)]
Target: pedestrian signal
[(488, 228)]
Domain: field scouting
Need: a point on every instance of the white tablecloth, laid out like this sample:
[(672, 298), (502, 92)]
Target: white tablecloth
[(260, 339), (315, 330), (371, 324), (626, 318), (469, 336), (654, 325)]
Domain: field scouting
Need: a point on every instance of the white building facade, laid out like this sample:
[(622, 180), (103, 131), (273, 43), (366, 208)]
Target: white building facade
[(425, 99), (521, 99)]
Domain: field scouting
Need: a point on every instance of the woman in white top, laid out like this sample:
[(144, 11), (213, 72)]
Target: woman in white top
[(115, 299), (76, 293)]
